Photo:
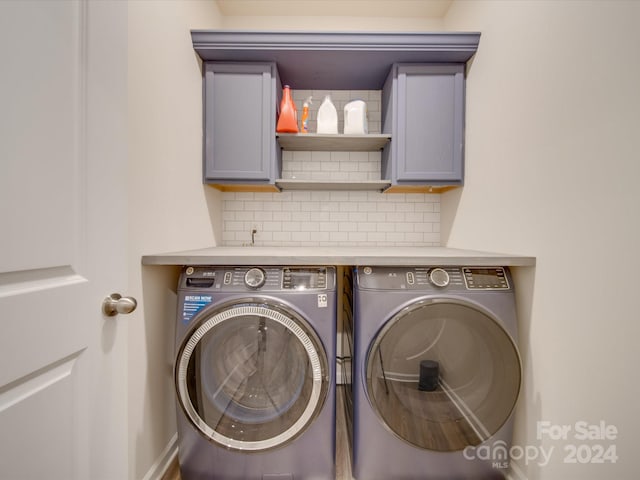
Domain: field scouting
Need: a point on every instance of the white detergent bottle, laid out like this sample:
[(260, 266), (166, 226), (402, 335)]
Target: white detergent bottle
[(355, 118), (327, 117)]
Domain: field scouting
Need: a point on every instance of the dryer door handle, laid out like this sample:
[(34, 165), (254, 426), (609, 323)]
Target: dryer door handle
[(116, 303)]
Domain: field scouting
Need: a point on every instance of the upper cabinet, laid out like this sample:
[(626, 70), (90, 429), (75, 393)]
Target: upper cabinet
[(239, 123), (424, 108), (421, 77)]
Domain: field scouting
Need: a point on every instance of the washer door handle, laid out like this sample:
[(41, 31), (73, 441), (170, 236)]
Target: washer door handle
[(116, 303)]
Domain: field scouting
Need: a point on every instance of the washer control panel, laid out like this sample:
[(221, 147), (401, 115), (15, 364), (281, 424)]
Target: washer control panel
[(481, 278), (305, 278), (264, 278)]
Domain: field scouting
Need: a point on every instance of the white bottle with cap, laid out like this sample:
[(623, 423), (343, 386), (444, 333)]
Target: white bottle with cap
[(355, 118), (327, 117)]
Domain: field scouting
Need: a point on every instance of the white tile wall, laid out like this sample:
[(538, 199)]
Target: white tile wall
[(332, 218), (331, 165)]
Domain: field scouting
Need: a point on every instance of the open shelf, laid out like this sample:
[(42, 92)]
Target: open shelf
[(369, 185), (333, 142)]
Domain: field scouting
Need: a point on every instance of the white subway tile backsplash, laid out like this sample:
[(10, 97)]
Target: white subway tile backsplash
[(271, 227), (357, 237), (404, 227), (365, 226), (366, 207), (291, 206), (354, 166), (425, 227), (233, 205), (283, 216), (280, 237), (339, 237), (339, 216), (331, 218), (376, 238), (347, 227), (301, 237), (234, 226), (385, 227)]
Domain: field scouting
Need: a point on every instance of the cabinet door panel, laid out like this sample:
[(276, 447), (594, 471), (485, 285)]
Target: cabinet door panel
[(239, 101), (430, 123)]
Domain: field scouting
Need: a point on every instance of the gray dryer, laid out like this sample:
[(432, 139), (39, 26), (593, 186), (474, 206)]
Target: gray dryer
[(437, 372)]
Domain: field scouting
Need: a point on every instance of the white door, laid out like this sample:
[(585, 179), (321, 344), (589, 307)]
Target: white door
[(62, 239)]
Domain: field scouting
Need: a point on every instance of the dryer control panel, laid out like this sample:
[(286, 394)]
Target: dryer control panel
[(433, 278)]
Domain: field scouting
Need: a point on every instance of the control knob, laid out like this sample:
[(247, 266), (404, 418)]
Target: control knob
[(254, 278), (439, 277)]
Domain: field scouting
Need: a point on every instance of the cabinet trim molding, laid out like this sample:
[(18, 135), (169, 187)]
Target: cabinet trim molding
[(335, 60)]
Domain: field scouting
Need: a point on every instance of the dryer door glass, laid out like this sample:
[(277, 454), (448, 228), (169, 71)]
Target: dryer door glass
[(443, 375), (252, 376)]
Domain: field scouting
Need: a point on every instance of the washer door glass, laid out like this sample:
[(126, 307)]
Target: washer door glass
[(252, 376), (442, 376)]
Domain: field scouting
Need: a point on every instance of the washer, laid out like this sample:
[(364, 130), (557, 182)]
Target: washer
[(255, 373), (437, 371)]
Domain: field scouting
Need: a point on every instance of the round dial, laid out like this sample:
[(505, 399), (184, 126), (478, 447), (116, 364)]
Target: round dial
[(439, 277), (254, 278)]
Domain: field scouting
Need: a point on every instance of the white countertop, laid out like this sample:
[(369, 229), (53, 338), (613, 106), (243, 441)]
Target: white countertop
[(396, 256)]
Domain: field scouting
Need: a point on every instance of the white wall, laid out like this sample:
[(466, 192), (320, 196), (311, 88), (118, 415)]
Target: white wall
[(551, 170), (170, 209), (332, 23)]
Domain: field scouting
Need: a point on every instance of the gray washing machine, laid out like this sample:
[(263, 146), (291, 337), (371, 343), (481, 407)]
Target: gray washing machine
[(255, 373), (437, 372)]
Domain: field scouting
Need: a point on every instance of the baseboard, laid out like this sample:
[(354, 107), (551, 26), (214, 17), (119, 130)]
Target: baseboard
[(164, 460)]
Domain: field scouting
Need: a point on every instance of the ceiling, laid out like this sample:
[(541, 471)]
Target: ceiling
[(333, 8)]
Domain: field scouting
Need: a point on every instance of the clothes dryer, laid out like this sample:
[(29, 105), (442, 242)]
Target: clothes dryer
[(437, 371), (255, 373)]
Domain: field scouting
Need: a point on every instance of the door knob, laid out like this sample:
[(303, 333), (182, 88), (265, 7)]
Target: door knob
[(116, 303)]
